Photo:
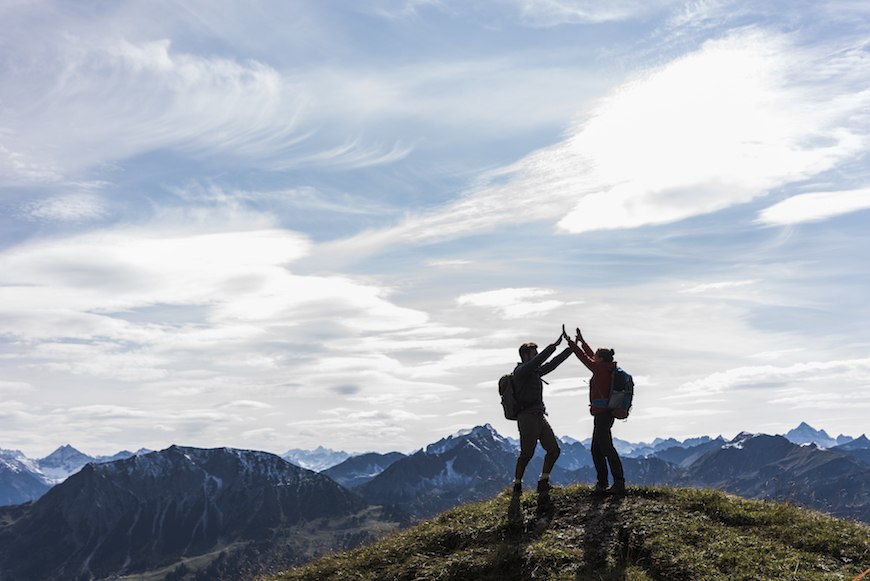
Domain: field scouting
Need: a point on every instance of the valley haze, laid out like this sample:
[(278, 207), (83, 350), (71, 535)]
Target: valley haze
[(277, 225)]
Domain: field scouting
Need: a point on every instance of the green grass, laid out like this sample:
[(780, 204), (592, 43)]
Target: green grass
[(650, 534)]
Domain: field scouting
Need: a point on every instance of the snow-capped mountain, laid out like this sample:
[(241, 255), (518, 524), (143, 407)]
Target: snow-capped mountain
[(66, 461), (806, 434), (62, 463), (150, 510), (318, 459), (20, 478), (479, 433), (470, 465)]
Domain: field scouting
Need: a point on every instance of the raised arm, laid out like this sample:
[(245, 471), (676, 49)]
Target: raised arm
[(558, 359), (524, 369), (583, 351)]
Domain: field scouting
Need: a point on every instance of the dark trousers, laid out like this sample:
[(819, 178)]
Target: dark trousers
[(603, 452), (534, 427)]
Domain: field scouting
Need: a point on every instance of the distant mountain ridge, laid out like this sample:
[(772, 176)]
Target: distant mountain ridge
[(357, 470), (23, 479), (475, 464), (806, 434), (318, 459)]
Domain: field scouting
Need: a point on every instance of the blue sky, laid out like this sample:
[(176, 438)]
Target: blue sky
[(276, 224)]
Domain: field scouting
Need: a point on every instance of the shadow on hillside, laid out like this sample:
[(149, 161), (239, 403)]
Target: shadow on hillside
[(544, 512), (600, 543)]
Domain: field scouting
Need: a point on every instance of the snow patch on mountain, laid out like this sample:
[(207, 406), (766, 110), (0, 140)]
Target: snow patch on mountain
[(318, 459)]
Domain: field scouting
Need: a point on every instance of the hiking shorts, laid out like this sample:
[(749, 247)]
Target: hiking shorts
[(534, 427)]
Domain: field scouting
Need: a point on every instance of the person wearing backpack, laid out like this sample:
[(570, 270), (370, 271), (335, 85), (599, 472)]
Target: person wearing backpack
[(600, 362), (531, 419)]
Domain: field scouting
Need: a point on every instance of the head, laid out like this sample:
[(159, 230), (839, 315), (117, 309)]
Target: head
[(528, 351), (604, 354)]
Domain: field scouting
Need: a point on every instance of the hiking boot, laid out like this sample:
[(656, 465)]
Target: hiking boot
[(544, 485), (518, 487), (600, 489), (618, 488)]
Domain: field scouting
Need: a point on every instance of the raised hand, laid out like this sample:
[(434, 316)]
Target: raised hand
[(579, 335)]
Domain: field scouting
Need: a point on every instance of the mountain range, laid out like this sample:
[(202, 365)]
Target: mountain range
[(477, 463), (23, 479), (155, 510), (194, 514)]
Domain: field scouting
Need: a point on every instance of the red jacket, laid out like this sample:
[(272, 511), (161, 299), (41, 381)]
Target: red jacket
[(601, 380)]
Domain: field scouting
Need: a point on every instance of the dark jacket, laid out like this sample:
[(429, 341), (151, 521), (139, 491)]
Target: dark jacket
[(527, 376)]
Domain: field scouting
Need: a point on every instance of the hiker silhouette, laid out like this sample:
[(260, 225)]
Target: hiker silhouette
[(531, 420), (600, 362)]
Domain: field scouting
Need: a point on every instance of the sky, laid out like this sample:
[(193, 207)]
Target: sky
[(284, 224)]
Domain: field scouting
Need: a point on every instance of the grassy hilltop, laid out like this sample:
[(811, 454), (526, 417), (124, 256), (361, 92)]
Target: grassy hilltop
[(650, 534)]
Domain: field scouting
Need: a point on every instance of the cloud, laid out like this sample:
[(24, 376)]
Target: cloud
[(8, 387), (720, 126), (142, 304), (534, 13), (716, 286), (846, 372), (67, 208), (345, 389), (246, 404), (119, 98), (815, 207), (513, 303), (101, 412), (547, 13), (715, 128)]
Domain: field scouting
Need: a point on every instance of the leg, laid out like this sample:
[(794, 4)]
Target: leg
[(600, 432), (528, 427), (610, 452), (551, 445)]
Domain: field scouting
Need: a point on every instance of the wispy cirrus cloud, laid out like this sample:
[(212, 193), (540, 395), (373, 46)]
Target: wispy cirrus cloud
[(716, 286), (534, 13), (546, 13), (120, 98), (815, 207), (65, 208), (718, 127)]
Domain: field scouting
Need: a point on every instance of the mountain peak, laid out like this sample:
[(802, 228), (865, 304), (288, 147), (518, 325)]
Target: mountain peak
[(64, 452), (806, 434), (484, 433)]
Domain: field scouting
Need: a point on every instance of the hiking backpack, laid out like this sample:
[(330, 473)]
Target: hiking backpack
[(621, 393), (507, 391)]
